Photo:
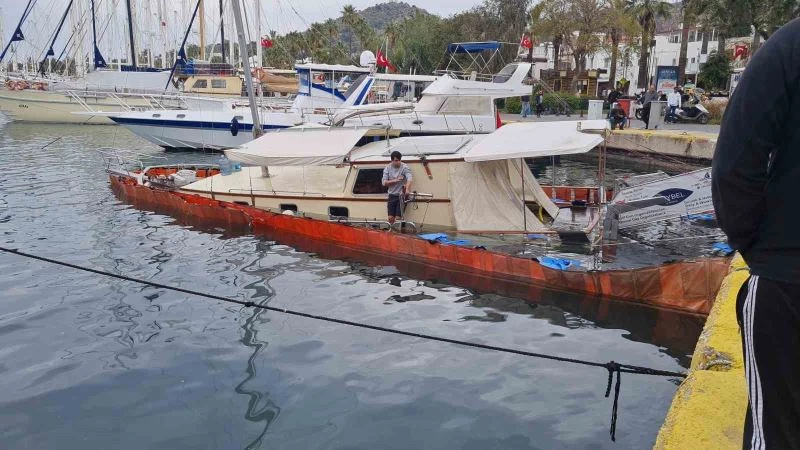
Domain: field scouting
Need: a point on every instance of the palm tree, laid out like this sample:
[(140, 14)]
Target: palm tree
[(350, 18), (687, 22), (646, 13), (618, 23)]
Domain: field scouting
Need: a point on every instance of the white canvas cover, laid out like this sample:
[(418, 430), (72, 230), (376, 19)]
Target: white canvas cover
[(533, 139), (533, 190), (484, 199), (299, 147)]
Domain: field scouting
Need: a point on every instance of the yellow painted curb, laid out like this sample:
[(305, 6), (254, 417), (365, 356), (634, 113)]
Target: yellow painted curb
[(708, 410)]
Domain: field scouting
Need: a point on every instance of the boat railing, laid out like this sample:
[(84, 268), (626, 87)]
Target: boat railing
[(304, 194), (455, 124), (123, 160), (123, 99)]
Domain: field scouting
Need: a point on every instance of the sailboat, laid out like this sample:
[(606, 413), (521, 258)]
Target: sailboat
[(53, 100)]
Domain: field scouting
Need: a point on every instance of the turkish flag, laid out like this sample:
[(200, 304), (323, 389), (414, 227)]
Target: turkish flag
[(266, 42), (739, 51), (382, 61), (526, 42)]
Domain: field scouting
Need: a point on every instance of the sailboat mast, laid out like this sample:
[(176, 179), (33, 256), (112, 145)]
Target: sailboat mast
[(162, 23), (248, 77), (222, 31), (257, 5), (130, 34), (202, 29)]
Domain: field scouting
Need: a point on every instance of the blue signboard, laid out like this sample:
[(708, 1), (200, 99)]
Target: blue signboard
[(666, 78)]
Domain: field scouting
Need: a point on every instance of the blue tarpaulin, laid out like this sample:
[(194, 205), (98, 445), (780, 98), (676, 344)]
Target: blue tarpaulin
[(723, 247), (472, 47), (558, 263), (442, 238)]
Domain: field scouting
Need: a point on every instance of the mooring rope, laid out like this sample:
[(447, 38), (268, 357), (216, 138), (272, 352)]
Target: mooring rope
[(611, 366)]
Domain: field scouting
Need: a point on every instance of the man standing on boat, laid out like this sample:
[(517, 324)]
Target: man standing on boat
[(754, 179), (397, 177)]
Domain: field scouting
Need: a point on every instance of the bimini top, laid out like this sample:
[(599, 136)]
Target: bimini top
[(472, 47), (311, 146), (533, 139), (315, 145)]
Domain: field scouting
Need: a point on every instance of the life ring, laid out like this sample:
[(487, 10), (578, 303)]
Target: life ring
[(21, 85)]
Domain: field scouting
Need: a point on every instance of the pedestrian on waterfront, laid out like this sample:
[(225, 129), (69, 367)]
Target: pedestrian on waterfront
[(397, 177), (617, 117), (539, 102), (673, 103), (649, 97), (754, 175), (614, 95), (526, 105)]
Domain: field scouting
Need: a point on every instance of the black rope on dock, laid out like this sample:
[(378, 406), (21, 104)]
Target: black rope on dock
[(611, 366)]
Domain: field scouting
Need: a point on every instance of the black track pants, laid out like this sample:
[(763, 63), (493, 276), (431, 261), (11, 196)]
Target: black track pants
[(769, 318)]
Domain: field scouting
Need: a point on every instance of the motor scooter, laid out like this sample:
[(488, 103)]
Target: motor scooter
[(695, 112)]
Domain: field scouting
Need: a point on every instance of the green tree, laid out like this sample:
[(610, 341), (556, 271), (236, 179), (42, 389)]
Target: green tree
[(646, 13), (618, 23), (715, 72)]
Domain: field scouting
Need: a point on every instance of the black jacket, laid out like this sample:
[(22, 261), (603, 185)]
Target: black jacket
[(756, 168)]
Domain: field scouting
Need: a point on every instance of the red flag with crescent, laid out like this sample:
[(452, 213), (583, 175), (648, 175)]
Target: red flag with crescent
[(382, 61), (526, 42), (739, 51), (266, 42)]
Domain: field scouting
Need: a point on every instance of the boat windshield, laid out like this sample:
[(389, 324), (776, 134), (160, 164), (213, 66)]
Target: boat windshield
[(505, 74), (354, 85)]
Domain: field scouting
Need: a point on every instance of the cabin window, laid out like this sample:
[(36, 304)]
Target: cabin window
[(219, 84), (466, 105), (338, 211), (156, 115), (303, 83), (200, 84), (239, 117), (288, 207), (368, 181), (181, 116)]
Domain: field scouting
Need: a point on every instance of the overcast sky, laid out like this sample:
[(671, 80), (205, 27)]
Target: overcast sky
[(278, 15)]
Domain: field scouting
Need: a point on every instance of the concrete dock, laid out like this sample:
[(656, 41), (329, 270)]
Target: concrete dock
[(709, 407), (689, 141)]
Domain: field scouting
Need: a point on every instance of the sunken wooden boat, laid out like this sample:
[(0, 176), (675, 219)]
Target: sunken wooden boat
[(324, 184)]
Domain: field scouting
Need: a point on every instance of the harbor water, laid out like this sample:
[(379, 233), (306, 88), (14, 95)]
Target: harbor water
[(94, 362)]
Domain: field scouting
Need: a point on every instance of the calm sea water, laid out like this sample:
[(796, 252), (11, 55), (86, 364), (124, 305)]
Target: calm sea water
[(92, 362)]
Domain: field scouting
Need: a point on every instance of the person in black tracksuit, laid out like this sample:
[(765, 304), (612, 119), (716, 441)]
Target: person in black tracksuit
[(755, 173)]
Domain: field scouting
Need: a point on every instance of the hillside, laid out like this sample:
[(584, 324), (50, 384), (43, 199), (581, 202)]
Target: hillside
[(383, 14)]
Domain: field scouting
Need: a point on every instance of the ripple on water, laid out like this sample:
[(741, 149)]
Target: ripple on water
[(111, 364)]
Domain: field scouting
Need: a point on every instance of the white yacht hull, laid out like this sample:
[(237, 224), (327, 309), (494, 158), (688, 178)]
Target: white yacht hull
[(56, 107)]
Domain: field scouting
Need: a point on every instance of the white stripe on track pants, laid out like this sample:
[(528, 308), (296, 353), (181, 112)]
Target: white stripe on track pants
[(769, 318)]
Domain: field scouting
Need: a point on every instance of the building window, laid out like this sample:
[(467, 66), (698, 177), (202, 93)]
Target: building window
[(368, 181), (218, 84), (673, 61), (338, 211), (675, 39), (200, 84), (692, 36), (692, 60), (607, 62)]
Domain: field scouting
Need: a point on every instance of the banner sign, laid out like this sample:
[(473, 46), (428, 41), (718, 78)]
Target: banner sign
[(688, 193), (666, 78)]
